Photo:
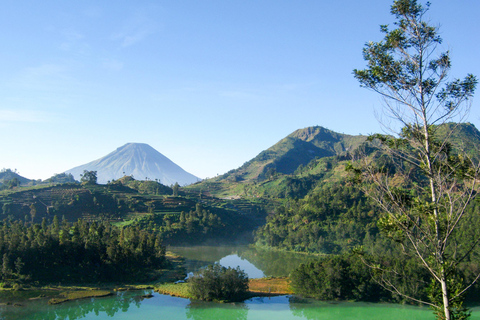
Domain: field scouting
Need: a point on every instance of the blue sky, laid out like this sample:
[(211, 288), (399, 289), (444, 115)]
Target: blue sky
[(209, 84)]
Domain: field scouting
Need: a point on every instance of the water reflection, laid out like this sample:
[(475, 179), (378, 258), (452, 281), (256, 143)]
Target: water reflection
[(79, 309), (313, 310), (234, 261), (208, 311), (130, 305), (256, 262), (275, 263)]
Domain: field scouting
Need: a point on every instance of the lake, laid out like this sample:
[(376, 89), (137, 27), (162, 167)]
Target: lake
[(130, 305), (256, 262)]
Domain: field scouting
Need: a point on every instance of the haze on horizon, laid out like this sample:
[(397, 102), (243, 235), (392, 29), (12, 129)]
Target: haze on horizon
[(208, 84)]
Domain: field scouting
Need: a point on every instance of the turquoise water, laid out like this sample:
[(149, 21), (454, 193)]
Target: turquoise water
[(257, 263), (131, 306)]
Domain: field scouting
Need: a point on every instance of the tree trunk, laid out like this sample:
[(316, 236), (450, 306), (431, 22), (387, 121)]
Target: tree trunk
[(446, 302)]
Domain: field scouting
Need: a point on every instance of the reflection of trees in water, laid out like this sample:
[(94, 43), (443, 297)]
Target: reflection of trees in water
[(110, 306), (79, 309), (197, 310), (198, 257), (272, 262), (275, 263), (305, 309)]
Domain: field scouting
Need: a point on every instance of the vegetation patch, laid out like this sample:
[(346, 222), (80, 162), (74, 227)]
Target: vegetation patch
[(217, 283), (75, 295), (175, 289), (274, 286)]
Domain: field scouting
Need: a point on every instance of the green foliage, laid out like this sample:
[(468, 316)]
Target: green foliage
[(298, 149), (175, 189), (457, 308), (332, 219), (61, 178), (145, 187), (217, 283), (336, 278), (423, 206), (82, 251), (88, 177), (354, 277), (195, 226), (11, 178)]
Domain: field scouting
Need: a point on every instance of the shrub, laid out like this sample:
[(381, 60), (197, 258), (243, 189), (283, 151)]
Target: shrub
[(336, 278), (217, 283)]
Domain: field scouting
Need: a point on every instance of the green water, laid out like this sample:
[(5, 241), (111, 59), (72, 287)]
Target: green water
[(256, 262), (130, 305)]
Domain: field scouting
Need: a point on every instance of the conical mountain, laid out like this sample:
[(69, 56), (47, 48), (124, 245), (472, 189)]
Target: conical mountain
[(138, 160)]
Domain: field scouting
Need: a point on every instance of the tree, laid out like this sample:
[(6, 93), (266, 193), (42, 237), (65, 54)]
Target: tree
[(175, 189), (88, 177), (216, 282), (424, 202), (33, 211)]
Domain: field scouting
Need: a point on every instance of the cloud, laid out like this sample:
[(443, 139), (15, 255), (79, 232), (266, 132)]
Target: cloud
[(137, 28)]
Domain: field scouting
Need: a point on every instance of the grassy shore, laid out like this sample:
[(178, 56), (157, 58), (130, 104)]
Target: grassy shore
[(75, 295), (59, 293), (274, 286), (165, 284), (174, 289), (257, 287)]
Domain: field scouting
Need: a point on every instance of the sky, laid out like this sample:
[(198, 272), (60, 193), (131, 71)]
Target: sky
[(209, 84)]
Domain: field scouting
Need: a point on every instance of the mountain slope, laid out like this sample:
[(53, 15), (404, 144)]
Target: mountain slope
[(8, 174), (298, 148), (308, 157), (137, 159)]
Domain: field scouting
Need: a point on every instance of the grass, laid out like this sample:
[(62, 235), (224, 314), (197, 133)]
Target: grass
[(75, 295), (257, 287), (176, 290), (272, 286)]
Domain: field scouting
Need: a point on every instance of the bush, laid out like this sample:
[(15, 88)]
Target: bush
[(336, 278), (217, 283)]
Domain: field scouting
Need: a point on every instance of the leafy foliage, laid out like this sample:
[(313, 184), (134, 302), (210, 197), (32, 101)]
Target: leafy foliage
[(332, 219), (88, 177), (349, 277), (424, 207), (217, 283), (82, 251)]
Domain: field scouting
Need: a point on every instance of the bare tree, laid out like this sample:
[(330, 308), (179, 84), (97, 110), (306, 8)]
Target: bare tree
[(425, 197)]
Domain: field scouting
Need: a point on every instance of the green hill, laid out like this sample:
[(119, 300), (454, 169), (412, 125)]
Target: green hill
[(282, 159), (323, 211), (149, 205), (298, 148), (307, 157), (318, 209), (7, 175)]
